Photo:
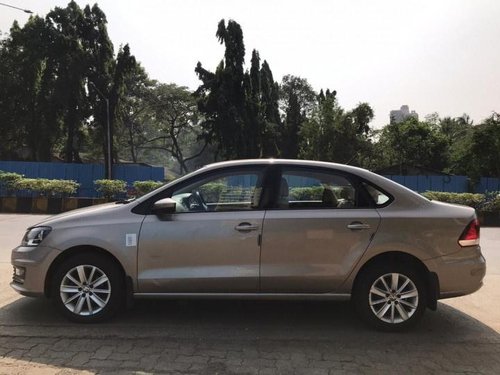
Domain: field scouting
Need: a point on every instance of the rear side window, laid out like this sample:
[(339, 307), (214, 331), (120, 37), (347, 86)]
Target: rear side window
[(309, 188), (379, 198)]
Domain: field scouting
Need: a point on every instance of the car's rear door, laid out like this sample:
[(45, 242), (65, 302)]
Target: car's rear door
[(319, 227)]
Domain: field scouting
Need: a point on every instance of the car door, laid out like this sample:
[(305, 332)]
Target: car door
[(319, 227), (211, 242)]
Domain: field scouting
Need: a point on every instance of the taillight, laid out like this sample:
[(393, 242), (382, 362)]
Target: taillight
[(470, 236)]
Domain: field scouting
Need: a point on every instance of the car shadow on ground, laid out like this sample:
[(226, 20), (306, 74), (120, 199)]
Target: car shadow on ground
[(326, 331)]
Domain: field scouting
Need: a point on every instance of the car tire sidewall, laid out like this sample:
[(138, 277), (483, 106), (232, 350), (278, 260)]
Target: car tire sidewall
[(106, 265), (362, 291)]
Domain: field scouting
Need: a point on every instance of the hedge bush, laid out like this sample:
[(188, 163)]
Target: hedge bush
[(489, 202), (212, 191), (306, 193), (144, 187), (110, 189), (8, 180), (466, 199), (46, 187)]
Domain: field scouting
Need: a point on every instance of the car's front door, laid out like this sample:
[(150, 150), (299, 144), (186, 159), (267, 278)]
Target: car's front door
[(211, 242), (320, 226)]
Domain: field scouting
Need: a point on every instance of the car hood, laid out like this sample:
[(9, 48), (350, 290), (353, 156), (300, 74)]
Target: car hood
[(81, 214)]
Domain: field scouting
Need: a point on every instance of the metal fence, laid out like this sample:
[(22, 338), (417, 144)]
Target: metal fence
[(84, 174), (452, 184)]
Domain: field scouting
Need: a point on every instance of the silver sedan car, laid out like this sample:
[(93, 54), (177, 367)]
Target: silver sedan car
[(258, 229)]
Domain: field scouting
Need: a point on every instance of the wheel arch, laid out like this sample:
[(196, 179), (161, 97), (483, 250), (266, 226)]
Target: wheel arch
[(399, 257), (68, 253)]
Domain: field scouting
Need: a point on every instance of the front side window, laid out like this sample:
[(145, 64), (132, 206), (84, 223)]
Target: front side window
[(315, 189), (230, 191)]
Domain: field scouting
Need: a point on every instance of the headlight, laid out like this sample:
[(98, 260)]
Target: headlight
[(34, 236)]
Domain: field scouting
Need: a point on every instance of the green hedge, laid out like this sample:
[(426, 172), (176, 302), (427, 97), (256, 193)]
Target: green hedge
[(47, 187), (110, 189), (144, 187), (306, 193), (14, 181), (489, 202), (9, 179)]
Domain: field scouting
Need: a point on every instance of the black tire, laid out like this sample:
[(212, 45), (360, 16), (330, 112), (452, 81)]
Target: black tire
[(85, 302), (397, 301)]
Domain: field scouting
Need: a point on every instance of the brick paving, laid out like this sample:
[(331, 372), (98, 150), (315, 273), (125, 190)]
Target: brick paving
[(231, 337), (44, 355)]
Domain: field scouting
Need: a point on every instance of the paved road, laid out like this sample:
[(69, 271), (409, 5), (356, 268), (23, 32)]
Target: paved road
[(242, 337)]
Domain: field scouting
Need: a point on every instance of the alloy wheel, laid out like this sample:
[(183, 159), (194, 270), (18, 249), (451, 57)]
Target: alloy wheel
[(85, 290), (393, 298)]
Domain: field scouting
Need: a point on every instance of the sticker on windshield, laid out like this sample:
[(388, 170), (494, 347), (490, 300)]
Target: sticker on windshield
[(130, 239)]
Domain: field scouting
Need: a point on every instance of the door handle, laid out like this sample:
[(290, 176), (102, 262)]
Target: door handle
[(246, 227), (356, 225)]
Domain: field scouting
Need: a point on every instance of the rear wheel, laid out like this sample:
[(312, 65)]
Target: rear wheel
[(390, 297), (88, 288)]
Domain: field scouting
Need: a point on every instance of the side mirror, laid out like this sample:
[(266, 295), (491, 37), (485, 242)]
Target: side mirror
[(164, 206)]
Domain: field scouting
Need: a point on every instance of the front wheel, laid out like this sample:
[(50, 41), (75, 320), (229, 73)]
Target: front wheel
[(87, 288), (390, 297)]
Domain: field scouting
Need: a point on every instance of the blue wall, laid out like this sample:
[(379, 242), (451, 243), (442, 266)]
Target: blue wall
[(84, 174), (452, 184)]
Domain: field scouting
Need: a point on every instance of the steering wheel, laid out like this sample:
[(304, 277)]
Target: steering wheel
[(196, 202)]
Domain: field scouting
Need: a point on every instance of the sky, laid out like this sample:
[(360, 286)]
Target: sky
[(432, 55)]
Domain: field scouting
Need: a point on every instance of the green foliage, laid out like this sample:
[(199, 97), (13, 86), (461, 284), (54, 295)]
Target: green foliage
[(144, 187), (411, 143), (46, 187), (467, 199), (8, 180), (483, 151), (332, 134), (240, 109), (491, 202), (212, 191), (46, 103), (306, 193), (110, 189), (297, 99)]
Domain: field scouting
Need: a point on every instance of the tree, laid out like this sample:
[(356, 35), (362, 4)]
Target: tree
[(29, 113), (332, 134), (297, 99), (482, 151), (70, 61), (45, 68), (457, 132), (135, 114), (411, 143), (239, 107), (178, 130)]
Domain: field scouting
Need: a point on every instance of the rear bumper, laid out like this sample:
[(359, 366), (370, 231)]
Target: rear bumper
[(459, 274)]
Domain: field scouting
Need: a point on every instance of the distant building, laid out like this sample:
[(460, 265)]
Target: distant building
[(399, 115)]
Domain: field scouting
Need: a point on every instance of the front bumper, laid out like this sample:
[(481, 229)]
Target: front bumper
[(460, 273), (35, 262)]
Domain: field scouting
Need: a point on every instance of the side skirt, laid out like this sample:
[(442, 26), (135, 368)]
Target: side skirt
[(255, 296)]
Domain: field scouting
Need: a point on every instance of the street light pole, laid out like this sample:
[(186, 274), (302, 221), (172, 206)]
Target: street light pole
[(109, 164), (13, 7)]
